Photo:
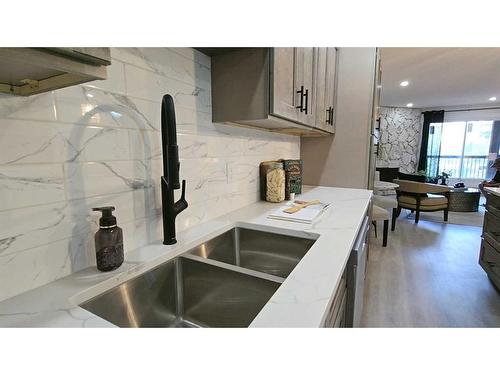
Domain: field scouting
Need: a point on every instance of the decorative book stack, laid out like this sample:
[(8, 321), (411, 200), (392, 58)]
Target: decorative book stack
[(293, 177), (279, 179)]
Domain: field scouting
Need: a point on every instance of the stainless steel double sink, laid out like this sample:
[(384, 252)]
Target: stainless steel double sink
[(223, 282)]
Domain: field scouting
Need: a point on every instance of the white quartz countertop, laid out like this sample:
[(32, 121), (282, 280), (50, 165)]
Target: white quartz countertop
[(301, 301), (493, 190)]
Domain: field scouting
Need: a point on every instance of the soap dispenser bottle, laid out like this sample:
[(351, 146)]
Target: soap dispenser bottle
[(108, 241)]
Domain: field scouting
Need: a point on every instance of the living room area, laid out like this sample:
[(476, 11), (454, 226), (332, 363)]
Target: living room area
[(438, 143)]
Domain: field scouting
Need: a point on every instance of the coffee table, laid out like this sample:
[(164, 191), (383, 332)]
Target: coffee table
[(464, 200)]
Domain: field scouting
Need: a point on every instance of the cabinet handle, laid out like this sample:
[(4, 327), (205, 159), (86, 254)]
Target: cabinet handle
[(307, 100), (301, 93), (329, 115)]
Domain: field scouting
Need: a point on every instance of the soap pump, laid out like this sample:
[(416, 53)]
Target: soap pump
[(108, 241)]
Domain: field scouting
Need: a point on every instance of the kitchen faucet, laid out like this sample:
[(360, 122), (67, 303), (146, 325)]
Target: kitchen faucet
[(171, 165)]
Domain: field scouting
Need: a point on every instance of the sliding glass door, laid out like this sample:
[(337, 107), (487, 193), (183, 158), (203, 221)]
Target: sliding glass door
[(459, 148), (476, 149)]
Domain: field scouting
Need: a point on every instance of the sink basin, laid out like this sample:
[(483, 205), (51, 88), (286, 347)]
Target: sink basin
[(187, 291), (271, 253), (223, 282)]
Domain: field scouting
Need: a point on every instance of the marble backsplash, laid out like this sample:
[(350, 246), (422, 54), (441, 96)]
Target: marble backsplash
[(400, 138), (66, 151)]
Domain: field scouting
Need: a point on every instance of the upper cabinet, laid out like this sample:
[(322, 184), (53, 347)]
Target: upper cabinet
[(304, 84), (287, 90), (326, 64), (28, 71), (283, 95)]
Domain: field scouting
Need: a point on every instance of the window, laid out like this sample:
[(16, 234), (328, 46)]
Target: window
[(459, 148)]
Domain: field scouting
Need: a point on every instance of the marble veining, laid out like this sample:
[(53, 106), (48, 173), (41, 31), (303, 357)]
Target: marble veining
[(37, 107), (99, 143), (301, 301), (30, 184)]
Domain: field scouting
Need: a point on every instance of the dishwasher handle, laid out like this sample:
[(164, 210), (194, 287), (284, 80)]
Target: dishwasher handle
[(361, 238)]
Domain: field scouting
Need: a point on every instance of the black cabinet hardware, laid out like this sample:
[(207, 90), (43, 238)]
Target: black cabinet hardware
[(304, 97), (301, 93), (307, 100), (329, 115)]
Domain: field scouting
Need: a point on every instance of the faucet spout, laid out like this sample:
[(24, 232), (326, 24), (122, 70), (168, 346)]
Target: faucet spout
[(170, 149), (171, 166)]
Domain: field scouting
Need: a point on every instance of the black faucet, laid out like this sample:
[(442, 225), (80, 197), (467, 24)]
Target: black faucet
[(171, 165)]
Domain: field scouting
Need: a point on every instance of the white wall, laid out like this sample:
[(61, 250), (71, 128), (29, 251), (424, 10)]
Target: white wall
[(343, 159), (66, 151)]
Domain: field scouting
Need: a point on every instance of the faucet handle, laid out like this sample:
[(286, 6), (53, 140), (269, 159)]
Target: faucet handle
[(183, 193)]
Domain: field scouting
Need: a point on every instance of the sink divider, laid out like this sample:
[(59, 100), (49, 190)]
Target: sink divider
[(234, 268), (236, 242), (178, 289)]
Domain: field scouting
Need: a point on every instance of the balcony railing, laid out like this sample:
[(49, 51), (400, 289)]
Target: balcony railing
[(473, 166)]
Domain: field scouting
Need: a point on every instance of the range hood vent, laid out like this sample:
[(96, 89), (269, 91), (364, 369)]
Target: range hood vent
[(28, 71)]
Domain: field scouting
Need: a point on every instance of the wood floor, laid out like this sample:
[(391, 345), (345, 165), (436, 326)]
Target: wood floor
[(429, 276)]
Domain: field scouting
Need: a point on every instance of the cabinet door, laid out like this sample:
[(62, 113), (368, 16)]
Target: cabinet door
[(336, 311), (304, 84), (283, 94), (326, 61), (330, 85), (322, 115)]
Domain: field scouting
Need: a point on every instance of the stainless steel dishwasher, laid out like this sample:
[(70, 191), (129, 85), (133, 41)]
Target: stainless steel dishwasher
[(356, 270)]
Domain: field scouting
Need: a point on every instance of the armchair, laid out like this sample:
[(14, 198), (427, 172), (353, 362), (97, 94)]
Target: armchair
[(420, 196)]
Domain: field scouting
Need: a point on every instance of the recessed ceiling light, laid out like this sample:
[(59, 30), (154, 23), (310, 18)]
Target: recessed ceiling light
[(404, 83), (409, 105), (492, 99)]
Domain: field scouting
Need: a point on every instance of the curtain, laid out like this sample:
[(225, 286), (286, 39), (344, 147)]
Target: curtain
[(430, 117), (495, 138), (494, 148)]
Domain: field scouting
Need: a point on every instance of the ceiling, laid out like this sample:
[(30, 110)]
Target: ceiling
[(440, 77)]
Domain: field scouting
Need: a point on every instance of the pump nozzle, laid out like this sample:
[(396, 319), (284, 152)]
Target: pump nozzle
[(107, 219)]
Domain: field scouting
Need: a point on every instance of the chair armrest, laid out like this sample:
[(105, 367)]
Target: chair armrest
[(435, 188), (420, 187)]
